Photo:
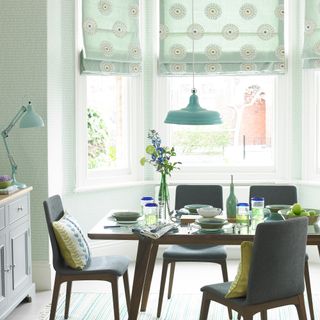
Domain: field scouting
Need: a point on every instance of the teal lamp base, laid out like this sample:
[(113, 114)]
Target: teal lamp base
[(19, 184)]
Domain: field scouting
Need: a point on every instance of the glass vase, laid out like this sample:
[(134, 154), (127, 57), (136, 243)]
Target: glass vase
[(163, 199)]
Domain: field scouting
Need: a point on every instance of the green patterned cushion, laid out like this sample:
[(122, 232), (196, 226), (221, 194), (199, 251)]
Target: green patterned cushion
[(71, 241)]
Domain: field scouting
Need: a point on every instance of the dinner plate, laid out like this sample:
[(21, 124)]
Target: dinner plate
[(127, 222), (276, 207), (211, 223), (202, 230), (125, 215)]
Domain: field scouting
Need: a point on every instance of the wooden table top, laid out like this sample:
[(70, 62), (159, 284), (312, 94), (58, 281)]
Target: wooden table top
[(228, 235)]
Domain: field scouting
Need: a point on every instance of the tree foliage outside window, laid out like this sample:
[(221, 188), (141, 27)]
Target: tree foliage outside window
[(100, 153)]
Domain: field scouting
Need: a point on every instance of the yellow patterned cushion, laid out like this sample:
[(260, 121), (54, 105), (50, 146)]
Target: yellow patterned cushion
[(71, 241), (239, 286)]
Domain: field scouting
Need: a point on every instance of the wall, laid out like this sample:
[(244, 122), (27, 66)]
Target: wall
[(23, 77)]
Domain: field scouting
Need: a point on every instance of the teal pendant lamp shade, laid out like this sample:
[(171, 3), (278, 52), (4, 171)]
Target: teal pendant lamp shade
[(31, 119), (193, 114)]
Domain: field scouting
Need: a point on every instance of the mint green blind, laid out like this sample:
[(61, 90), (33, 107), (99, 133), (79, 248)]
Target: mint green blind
[(110, 37), (230, 37), (311, 49)]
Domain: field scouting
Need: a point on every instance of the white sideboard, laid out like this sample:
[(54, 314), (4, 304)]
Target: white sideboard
[(15, 251)]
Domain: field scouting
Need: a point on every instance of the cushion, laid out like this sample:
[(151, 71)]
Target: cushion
[(71, 241), (238, 287)]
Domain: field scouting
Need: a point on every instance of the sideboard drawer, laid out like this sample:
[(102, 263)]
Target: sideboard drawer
[(18, 209), (2, 218)]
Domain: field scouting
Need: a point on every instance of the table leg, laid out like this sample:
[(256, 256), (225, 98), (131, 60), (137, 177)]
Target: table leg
[(148, 279), (318, 249), (143, 253)]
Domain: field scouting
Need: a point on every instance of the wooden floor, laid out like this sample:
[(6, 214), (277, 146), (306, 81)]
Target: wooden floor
[(188, 279)]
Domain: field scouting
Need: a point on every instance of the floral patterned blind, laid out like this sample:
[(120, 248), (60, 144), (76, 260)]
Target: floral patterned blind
[(110, 37), (311, 50), (230, 37)]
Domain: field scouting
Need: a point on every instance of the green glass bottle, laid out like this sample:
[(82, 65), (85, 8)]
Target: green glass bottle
[(231, 203)]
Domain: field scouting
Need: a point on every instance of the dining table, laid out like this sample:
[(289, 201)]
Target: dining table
[(147, 249)]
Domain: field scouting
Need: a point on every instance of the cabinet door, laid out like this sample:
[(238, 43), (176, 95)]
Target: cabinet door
[(19, 256), (3, 271)]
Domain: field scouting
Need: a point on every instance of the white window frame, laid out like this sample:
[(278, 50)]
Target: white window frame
[(310, 127), (280, 170), (90, 180)]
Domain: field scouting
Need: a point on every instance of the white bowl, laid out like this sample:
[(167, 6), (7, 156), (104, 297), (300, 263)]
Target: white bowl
[(208, 212)]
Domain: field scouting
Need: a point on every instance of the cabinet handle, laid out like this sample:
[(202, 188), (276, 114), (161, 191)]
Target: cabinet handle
[(12, 266), (20, 208), (7, 270)]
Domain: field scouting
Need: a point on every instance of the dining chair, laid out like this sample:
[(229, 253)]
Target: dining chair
[(193, 194), (105, 268), (274, 194), (283, 194), (275, 276)]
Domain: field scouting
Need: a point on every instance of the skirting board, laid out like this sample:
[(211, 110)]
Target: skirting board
[(41, 275)]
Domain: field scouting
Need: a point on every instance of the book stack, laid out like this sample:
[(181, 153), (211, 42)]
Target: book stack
[(9, 189)]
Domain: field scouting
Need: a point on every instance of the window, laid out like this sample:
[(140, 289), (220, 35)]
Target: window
[(246, 136), (107, 130), (107, 121)]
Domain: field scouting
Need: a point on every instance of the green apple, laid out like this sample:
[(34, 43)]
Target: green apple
[(290, 214), (312, 213), (304, 213), (296, 209)]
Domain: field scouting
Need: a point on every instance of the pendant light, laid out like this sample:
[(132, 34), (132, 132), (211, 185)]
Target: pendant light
[(193, 113)]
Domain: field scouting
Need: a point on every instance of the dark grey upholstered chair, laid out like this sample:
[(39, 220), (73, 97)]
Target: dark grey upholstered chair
[(193, 194), (108, 268), (274, 194), (276, 272), (283, 194)]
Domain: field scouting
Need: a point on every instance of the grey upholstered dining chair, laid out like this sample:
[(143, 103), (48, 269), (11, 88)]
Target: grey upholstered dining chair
[(276, 272), (193, 194), (274, 194), (283, 194), (106, 268)]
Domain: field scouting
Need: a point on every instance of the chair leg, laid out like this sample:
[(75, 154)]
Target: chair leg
[(55, 297), (126, 289), (308, 287), (301, 308), (115, 295), (225, 279), (239, 316), (162, 285), (264, 315), (172, 269), (205, 303), (68, 296)]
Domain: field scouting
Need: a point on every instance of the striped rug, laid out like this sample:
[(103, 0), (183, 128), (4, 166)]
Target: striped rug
[(98, 306)]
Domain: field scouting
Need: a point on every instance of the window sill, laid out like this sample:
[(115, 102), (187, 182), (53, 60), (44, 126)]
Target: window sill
[(113, 186)]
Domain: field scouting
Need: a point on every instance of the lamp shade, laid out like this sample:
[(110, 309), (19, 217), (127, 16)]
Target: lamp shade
[(31, 119), (193, 114)]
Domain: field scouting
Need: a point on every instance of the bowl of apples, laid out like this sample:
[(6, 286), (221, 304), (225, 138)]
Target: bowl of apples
[(297, 210)]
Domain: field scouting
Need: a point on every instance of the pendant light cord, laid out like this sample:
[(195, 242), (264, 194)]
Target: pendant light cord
[(192, 8)]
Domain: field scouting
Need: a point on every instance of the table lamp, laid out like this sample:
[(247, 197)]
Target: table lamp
[(29, 119)]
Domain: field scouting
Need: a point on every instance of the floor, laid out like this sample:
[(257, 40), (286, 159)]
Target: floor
[(188, 279)]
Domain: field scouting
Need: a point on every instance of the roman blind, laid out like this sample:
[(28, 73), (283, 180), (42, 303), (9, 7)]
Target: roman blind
[(230, 37), (110, 37), (311, 49)]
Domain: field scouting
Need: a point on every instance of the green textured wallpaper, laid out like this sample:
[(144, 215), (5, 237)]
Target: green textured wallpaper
[(23, 77)]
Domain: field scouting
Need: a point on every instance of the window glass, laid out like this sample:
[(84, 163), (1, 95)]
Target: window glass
[(246, 136), (107, 123)]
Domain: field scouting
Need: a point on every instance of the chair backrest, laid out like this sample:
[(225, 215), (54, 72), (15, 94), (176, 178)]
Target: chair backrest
[(275, 194), (277, 263), (199, 194), (54, 211)]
